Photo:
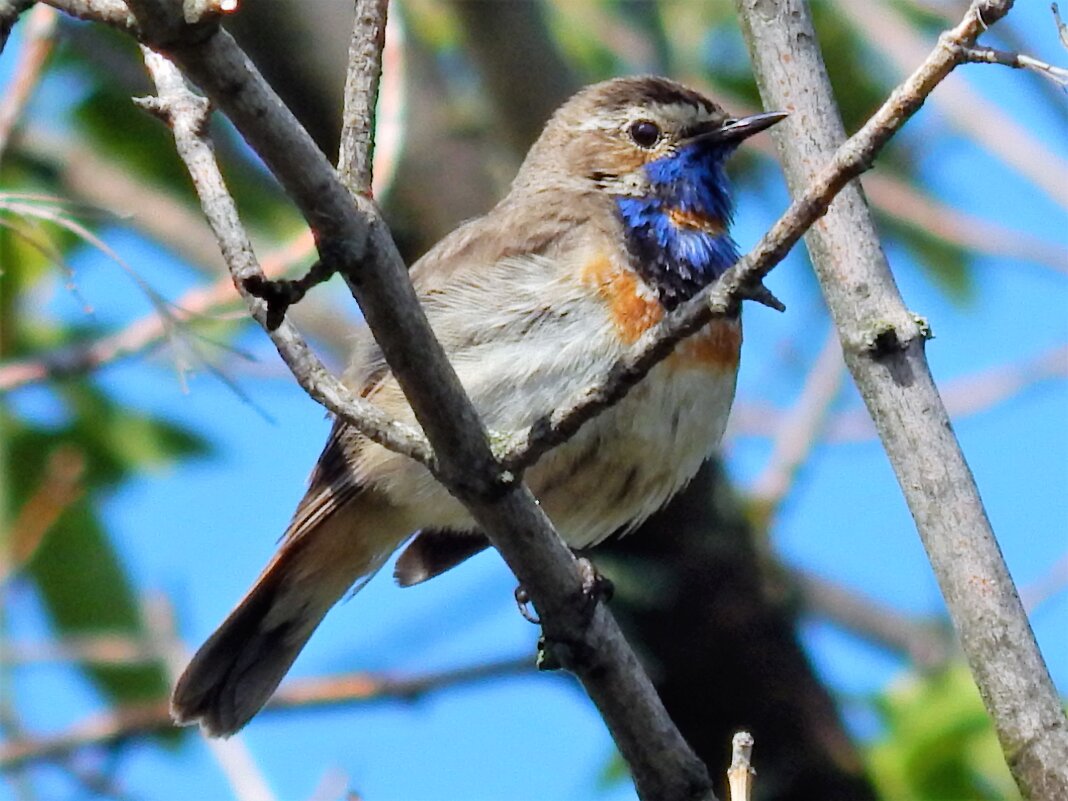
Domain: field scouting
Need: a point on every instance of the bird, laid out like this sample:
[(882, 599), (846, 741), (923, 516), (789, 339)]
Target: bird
[(619, 212)]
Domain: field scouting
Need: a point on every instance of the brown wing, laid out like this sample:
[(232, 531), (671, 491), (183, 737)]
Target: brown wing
[(333, 482)]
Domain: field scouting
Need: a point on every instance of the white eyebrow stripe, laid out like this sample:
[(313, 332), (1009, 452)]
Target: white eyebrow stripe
[(677, 114)]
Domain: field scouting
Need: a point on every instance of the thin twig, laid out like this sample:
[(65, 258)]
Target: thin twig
[(892, 194), (59, 487), (39, 37), (93, 649), (1062, 29), (111, 12), (988, 55), (1053, 582), (740, 774), (980, 235), (967, 395), (928, 644), (321, 692), (187, 115), (884, 348), (145, 332), (887, 31)]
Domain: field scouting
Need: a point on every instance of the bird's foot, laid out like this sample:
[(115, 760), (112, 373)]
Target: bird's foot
[(522, 601), (594, 587)]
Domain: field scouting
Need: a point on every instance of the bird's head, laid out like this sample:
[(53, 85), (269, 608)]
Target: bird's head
[(658, 149), (639, 136)]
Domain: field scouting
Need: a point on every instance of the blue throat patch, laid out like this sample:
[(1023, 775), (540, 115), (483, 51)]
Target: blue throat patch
[(677, 235)]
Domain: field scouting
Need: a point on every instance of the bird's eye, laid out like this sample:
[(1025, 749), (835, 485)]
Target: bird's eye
[(645, 133)]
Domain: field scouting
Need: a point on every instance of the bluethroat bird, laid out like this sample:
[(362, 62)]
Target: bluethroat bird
[(618, 213)]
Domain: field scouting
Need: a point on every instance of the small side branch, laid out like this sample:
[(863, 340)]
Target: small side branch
[(186, 114), (740, 774), (280, 294), (1019, 61)]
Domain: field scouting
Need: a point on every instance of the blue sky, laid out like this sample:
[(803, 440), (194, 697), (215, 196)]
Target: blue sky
[(200, 531)]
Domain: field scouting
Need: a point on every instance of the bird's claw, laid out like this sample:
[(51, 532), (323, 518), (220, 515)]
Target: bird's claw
[(522, 601), (595, 587)]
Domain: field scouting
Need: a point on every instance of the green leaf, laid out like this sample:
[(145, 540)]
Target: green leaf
[(84, 588), (119, 441), (939, 743)]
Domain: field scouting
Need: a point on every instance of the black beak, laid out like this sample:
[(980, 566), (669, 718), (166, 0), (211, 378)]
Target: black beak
[(734, 131)]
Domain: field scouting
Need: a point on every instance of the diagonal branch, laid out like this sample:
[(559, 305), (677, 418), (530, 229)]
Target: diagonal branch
[(1019, 61), (143, 333), (187, 115), (883, 344), (40, 31)]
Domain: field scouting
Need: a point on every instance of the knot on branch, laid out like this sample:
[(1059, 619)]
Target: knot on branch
[(191, 108), (163, 23), (280, 295)]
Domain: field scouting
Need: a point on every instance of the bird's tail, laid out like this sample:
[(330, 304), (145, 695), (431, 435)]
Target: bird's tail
[(236, 671)]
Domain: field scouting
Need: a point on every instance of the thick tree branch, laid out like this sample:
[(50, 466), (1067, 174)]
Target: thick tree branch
[(883, 346)]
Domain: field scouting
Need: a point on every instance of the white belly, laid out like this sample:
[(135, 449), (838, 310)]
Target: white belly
[(624, 465)]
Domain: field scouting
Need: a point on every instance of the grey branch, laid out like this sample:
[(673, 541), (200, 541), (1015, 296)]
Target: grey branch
[(1020, 61), (927, 643), (884, 350), (361, 94)]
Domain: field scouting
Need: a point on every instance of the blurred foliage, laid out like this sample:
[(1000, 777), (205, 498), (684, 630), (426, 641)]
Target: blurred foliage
[(79, 576), (938, 743), (83, 585)]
